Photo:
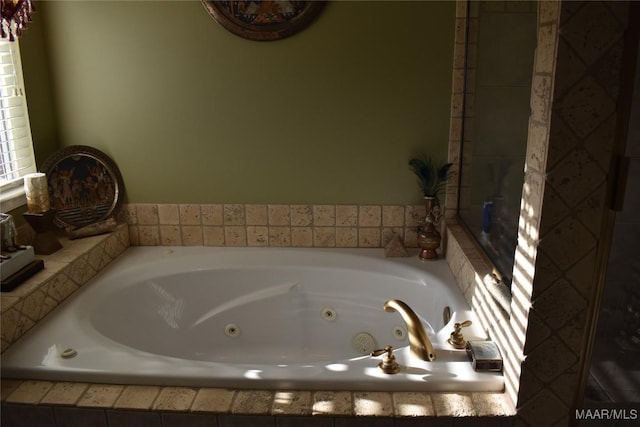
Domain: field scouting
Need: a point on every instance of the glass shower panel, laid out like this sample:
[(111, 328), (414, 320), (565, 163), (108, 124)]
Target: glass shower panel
[(500, 54), (615, 361)]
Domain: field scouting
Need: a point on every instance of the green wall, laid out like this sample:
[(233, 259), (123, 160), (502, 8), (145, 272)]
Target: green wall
[(194, 114)]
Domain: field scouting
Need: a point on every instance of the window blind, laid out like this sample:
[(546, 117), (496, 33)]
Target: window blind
[(16, 147)]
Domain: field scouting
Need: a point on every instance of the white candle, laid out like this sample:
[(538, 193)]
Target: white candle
[(37, 192)]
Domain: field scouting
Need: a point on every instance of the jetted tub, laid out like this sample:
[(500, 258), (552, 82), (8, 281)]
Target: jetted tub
[(252, 318)]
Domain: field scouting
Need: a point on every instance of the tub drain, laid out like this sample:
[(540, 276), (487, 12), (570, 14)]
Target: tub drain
[(364, 343)]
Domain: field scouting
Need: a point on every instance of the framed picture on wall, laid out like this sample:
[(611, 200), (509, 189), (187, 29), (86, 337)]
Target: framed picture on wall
[(85, 186), (264, 20)]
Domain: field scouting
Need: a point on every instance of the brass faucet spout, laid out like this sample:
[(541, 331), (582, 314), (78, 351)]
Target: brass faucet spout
[(419, 341)]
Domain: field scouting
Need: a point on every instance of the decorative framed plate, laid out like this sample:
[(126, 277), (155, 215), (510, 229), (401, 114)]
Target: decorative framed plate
[(85, 186), (264, 20)]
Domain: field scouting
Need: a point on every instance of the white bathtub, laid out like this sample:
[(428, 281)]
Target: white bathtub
[(252, 318)]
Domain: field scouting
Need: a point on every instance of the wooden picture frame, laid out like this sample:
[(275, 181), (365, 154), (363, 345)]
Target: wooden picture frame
[(264, 20)]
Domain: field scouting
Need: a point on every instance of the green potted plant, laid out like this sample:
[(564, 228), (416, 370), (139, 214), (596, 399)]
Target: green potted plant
[(432, 179)]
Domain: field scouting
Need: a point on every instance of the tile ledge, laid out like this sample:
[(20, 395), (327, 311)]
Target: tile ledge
[(62, 262), (71, 251), (482, 404)]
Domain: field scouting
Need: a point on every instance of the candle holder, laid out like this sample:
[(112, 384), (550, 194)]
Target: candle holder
[(45, 241)]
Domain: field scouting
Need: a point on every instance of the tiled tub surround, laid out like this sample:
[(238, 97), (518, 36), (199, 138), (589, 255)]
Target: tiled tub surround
[(323, 226), (46, 403)]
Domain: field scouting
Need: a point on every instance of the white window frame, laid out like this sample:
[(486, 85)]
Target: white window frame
[(12, 90)]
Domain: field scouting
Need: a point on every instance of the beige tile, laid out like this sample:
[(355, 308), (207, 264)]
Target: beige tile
[(256, 402), (492, 404), (544, 409), (134, 235), (80, 271), (541, 98), (453, 405), (8, 387), (47, 305), (301, 215), (137, 397), (234, 214), (191, 235), (64, 393), (455, 130), (147, 214), (369, 237), (190, 214), (174, 399), (279, 215), (546, 49), (257, 235), (98, 257), (213, 236), (279, 236), (60, 287), (346, 237), (555, 350), (256, 214), (392, 216), (458, 55), (301, 236), (292, 403), (549, 11), (212, 214), (414, 215), (9, 323), (170, 235), (214, 400), (412, 404), (23, 325), (29, 392), (101, 396), (372, 403), (131, 213), (346, 215), (6, 302), (457, 104), (168, 214), (235, 236), (369, 216), (33, 305), (324, 215), (324, 237), (332, 403), (148, 235)]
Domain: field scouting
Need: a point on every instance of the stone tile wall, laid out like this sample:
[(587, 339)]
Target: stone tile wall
[(344, 226), (563, 218)]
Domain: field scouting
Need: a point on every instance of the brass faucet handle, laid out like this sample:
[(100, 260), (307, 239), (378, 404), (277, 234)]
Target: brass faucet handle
[(388, 364), (387, 349), (458, 326), (456, 339)]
